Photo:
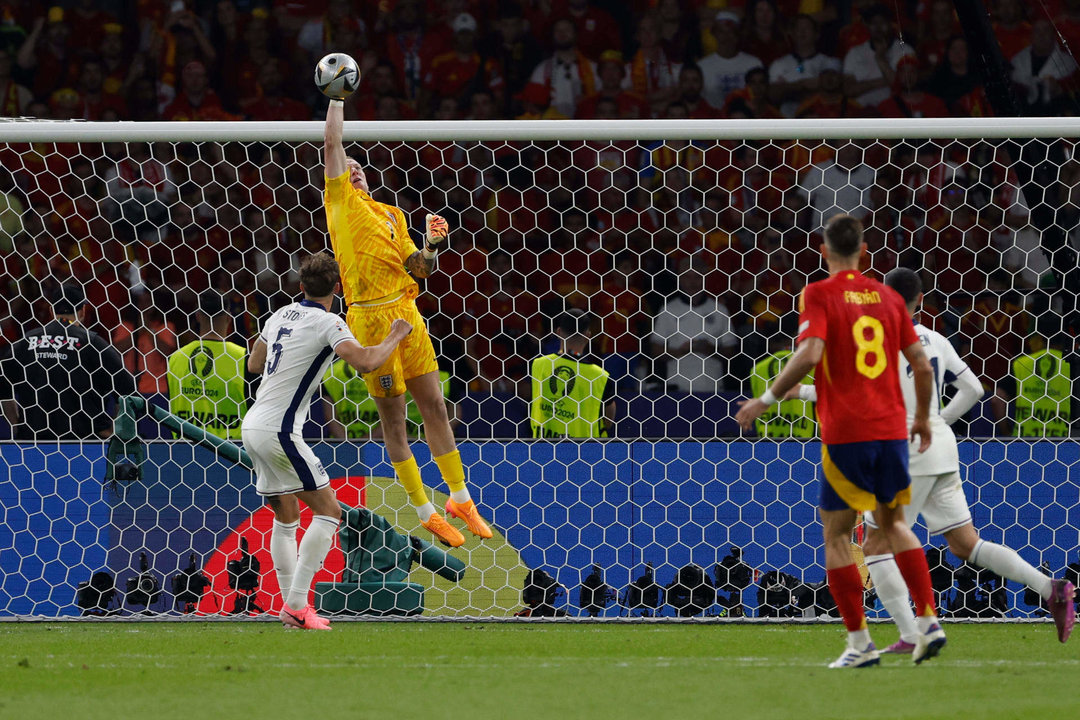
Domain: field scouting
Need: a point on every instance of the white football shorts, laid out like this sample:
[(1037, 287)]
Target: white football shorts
[(939, 499), (284, 464)]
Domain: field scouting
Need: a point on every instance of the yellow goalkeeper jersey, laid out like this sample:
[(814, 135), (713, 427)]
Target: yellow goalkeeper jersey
[(370, 239)]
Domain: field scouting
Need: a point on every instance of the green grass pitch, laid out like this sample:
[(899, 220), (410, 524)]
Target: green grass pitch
[(85, 671)]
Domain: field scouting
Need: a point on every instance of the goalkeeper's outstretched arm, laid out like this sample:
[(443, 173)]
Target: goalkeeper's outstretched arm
[(333, 150)]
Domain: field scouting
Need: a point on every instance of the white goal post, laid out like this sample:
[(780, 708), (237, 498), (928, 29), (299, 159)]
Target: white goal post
[(623, 220)]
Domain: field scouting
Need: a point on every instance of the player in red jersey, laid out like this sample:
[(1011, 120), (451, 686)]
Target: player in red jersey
[(850, 330)]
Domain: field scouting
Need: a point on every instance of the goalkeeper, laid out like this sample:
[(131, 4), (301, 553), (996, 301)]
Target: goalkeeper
[(376, 255)]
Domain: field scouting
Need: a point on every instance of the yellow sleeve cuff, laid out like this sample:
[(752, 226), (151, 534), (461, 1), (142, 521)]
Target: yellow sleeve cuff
[(335, 186)]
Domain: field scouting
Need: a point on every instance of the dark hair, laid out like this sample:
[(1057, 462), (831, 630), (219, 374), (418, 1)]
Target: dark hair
[(691, 67), (573, 322), (876, 10), (804, 16), (906, 282), (844, 234), (319, 274), (757, 70), (211, 304), (67, 299)]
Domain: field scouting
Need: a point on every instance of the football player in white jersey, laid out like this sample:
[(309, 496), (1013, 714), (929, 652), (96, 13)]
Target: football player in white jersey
[(292, 352), (936, 492)]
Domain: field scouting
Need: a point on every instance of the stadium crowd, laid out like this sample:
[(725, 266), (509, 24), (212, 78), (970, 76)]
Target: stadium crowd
[(634, 233)]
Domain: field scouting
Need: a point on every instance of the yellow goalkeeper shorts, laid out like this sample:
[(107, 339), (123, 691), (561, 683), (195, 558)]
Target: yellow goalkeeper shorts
[(413, 357)]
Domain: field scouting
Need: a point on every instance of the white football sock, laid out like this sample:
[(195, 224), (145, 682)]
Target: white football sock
[(892, 591), (425, 511), (283, 553), (859, 639), (1007, 563), (461, 496), (313, 548), (925, 622)]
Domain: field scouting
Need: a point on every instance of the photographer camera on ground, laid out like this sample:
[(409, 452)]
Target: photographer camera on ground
[(691, 592), (143, 589), (777, 595), (95, 596), (643, 595), (188, 585), (732, 576), (244, 577), (594, 594), (539, 595)]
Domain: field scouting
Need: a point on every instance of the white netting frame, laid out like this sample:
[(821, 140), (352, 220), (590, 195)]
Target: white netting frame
[(543, 131)]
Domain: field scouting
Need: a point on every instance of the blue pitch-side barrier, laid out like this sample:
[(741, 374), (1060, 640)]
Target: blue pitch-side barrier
[(564, 506)]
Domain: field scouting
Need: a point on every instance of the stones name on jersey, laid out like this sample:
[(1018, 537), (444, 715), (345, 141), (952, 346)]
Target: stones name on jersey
[(943, 455)]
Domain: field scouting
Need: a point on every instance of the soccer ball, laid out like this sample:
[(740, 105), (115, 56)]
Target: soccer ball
[(337, 76)]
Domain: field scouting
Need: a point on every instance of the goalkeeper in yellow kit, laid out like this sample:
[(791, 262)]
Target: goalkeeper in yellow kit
[(376, 255)]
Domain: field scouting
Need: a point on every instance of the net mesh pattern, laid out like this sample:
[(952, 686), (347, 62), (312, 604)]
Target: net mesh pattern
[(687, 259)]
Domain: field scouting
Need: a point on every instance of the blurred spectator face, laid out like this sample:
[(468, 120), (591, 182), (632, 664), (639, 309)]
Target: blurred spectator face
[(758, 83), (957, 54), (65, 104), (387, 108), (648, 33), (382, 80), (112, 46), (611, 75), (690, 83), (669, 10), (447, 109), (347, 34), (499, 263), (510, 28), (91, 77), (574, 223), (407, 16), (194, 77), (257, 33), (57, 33), (677, 111), (144, 94), (338, 10), (465, 41), (691, 281), (830, 81), (270, 78), (952, 197), (182, 215), (805, 35), (482, 106), (941, 17), (727, 38), (716, 201), (880, 28), (1043, 40), (1009, 12), (764, 14), (226, 13), (607, 109), (563, 35), (907, 75)]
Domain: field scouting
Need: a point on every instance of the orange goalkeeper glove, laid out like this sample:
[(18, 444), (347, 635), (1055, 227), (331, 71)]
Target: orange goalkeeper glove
[(435, 233)]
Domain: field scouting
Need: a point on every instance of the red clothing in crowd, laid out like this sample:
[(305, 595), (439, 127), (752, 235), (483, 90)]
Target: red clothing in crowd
[(208, 109), (148, 356)]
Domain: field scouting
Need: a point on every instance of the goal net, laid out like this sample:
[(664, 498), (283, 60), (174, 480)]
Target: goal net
[(682, 245)]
